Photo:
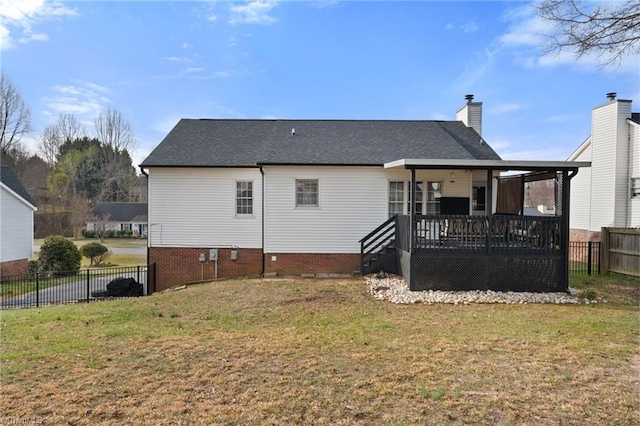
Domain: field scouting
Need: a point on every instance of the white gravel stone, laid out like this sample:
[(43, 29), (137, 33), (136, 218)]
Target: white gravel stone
[(396, 290)]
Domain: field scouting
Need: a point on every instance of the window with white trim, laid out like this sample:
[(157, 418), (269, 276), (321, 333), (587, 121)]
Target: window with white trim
[(635, 187), (434, 193), (307, 193), (244, 198), (400, 197), (396, 198)]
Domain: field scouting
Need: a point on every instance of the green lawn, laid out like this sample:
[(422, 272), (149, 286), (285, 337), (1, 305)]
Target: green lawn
[(284, 351), (108, 242)]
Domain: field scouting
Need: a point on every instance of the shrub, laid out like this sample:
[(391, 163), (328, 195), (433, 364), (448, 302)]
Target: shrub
[(34, 267), (110, 233), (60, 256), (95, 252), (87, 233)]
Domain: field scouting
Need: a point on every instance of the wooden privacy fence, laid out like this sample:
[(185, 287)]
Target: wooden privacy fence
[(621, 251)]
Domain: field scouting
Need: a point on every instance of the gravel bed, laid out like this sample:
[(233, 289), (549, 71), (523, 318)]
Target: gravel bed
[(396, 290)]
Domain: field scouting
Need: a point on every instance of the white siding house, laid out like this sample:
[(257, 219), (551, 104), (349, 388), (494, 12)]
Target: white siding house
[(16, 224), (249, 197), (604, 195)]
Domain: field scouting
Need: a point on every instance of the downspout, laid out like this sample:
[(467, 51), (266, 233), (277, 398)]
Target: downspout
[(263, 214), (148, 233)]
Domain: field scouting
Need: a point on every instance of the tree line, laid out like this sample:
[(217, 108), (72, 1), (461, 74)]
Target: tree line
[(74, 168)]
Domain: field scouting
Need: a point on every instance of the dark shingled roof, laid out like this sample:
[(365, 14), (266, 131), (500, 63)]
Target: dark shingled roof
[(122, 212), (8, 178), (213, 142)]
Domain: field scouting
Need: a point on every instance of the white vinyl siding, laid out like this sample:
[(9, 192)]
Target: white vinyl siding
[(196, 207), (16, 227), (633, 218), (579, 207), (352, 202)]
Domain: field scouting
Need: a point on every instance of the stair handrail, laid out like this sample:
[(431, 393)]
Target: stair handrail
[(380, 231)]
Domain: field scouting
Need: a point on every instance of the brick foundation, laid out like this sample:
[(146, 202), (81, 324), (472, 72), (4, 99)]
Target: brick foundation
[(582, 235), (14, 267), (181, 265), (312, 263)]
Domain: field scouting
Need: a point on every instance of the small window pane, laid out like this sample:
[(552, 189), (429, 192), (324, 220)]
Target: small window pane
[(306, 193), (244, 198), (635, 187), (434, 193), (396, 198)]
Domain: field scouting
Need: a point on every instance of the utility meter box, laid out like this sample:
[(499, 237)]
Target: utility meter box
[(213, 254), (202, 258)]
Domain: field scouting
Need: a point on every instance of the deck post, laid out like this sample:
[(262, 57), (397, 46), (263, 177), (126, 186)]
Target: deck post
[(412, 206), (566, 189)]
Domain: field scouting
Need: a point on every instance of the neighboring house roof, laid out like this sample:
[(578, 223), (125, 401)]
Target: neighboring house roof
[(635, 117), (228, 143), (9, 179), (122, 212)]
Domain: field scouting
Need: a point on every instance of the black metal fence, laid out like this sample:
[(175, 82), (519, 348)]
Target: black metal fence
[(38, 289), (584, 257)]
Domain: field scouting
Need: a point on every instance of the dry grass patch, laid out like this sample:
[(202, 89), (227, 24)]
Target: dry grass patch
[(318, 352)]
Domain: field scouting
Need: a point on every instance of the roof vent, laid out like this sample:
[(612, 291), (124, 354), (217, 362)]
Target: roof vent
[(611, 96), (293, 132), (469, 98)]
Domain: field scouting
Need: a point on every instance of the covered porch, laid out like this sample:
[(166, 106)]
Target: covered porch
[(501, 250)]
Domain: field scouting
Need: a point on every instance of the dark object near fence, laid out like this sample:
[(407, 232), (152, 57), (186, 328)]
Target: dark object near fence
[(124, 287)]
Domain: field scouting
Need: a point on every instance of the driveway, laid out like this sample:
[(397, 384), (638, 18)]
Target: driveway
[(71, 291)]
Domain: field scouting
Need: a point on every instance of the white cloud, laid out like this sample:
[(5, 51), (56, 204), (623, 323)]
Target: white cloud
[(19, 17), (212, 18), (84, 99), (473, 72), (192, 69), (449, 26), (527, 35), (560, 118), (469, 27), (505, 107), (175, 59), (186, 45), (254, 12)]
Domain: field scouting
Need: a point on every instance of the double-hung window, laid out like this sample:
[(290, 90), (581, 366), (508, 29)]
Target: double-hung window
[(244, 198), (307, 193)]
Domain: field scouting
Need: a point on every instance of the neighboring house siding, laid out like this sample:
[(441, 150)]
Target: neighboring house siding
[(16, 219), (634, 172), (195, 207), (352, 202), (581, 192), (622, 177), (603, 169)]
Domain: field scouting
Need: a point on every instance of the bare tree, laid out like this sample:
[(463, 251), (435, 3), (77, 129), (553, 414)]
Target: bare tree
[(101, 225), (67, 129), (50, 142), (114, 131), (611, 30), (70, 128), (80, 213), (15, 116)]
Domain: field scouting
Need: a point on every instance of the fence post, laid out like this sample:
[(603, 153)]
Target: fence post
[(589, 248), (138, 273), (37, 289), (88, 286), (604, 251)]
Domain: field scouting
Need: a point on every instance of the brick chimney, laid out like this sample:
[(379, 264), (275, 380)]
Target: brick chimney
[(471, 114)]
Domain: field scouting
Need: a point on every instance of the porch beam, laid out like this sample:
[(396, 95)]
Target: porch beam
[(489, 193)]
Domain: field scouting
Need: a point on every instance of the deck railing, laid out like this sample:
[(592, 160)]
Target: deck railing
[(484, 234)]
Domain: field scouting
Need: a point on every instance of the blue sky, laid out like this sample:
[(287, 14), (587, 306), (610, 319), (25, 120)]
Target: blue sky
[(159, 61)]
